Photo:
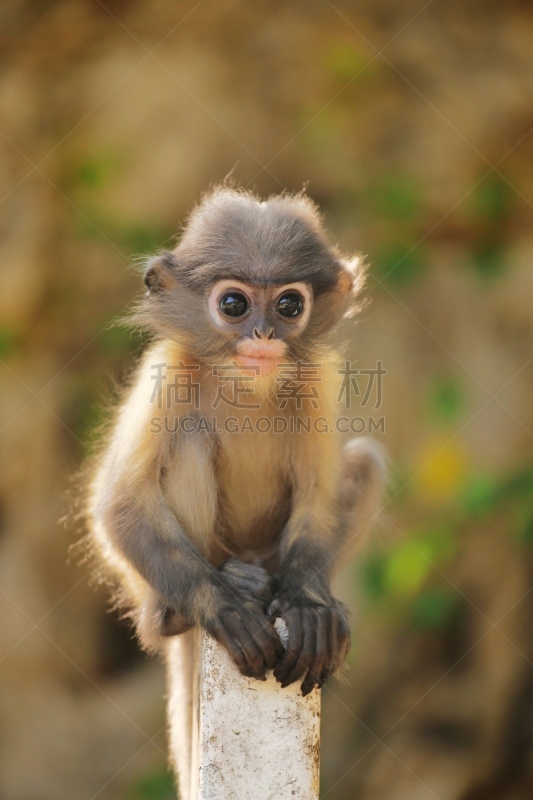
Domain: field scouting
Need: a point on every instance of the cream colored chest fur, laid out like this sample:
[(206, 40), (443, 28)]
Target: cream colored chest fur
[(237, 486), (253, 481)]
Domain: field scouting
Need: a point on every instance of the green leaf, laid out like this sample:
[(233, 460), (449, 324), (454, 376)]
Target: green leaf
[(480, 495), (434, 609), (157, 785), (446, 400), (519, 483), (373, 576), (131, 236), (397, 198), (525, 528), (488, 260), (96, 169), (9, 342), (398, 265), (402, 571), (406, 571), (492, 199), (140, 237)]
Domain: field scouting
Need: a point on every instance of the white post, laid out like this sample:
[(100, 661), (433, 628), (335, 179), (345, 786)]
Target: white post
[(251, 740)]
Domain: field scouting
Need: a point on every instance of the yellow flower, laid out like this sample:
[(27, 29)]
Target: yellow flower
[(442, 468)]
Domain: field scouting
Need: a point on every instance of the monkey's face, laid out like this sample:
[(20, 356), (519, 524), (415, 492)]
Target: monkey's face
[(251, 281), (261, 321)]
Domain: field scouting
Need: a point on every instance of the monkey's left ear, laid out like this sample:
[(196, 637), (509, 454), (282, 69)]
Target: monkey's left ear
[(159, 274), (351, 281)]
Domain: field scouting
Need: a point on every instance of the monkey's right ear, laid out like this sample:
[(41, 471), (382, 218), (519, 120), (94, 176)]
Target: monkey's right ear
[(160, 275)]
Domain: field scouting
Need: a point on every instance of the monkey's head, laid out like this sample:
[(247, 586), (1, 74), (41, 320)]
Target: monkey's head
[(251, 281)]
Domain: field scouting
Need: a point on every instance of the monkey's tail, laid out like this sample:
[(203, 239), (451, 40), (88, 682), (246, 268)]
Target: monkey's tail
[(362, 483)]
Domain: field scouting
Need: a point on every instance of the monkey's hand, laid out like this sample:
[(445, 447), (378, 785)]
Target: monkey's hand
[(319, 639), (250, 579), (237, 619)]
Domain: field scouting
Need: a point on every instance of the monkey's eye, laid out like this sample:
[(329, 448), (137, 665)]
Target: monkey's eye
[(290, 304), (233, 304)]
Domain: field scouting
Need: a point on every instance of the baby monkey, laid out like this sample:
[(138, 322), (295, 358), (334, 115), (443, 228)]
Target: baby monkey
[(224, 496)]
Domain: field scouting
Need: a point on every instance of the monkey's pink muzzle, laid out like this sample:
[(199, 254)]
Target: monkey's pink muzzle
[(264, 356)]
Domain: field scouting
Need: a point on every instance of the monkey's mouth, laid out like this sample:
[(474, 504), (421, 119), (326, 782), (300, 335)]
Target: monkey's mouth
[(266, 357), (266, 365)]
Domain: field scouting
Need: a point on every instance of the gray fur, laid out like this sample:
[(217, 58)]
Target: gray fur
[(234, 234)]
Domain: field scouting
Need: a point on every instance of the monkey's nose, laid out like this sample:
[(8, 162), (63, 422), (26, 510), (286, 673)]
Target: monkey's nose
[(264, 334)]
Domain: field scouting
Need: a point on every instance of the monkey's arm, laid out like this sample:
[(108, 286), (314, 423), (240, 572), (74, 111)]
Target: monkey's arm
[(148, 535), (319, 635), (129, 505)]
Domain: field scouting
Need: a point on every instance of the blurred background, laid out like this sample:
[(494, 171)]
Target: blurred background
[(411, 125)]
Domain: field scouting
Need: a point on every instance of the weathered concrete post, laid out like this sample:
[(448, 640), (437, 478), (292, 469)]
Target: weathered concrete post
[(251, 740)]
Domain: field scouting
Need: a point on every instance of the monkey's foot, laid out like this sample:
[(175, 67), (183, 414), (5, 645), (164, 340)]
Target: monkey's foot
[(319, 641), (172, 622)]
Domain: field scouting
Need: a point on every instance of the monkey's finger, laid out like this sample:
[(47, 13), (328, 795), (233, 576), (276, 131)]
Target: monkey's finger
[(346, 640), (338, 644), (328, 656), (259, 589), (261, 647), (275, 609), (293, 619), (301, 667), (341, 640), (255, 659), (219, 632), (321, 647), (267, 639), (309, 682), (243, 643)]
